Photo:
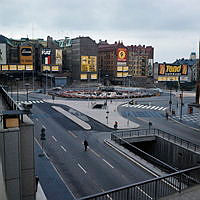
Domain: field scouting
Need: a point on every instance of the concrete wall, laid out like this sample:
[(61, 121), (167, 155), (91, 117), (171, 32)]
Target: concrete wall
[(17, 158), (10, 158), (170, 153)]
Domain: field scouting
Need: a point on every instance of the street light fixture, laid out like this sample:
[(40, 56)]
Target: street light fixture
[(27, 86), (129, 77), (170, 100)]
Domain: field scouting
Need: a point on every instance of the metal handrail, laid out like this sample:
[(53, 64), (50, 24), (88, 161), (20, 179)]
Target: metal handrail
[(154, 188), (160, 133)]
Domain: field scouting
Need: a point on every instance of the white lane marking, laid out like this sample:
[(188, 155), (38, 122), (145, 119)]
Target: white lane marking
[(152, 107), (94, 152), (148, 107), (145, 106), (140, 106), (156, 108), (82, 168), (144, 192), (107, 163), (137, 105), (164, 108), (72, 117), (41, 101), (71, 133), (33, 102), (124, 105), (63, 148), (160, 108), (54, 138), (38, 101)]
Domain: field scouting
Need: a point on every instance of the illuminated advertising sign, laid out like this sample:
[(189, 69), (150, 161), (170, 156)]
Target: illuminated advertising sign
[(165, 69), (55, 68), (46, 68), (58, 57), (29, 67), (167, 78), (83, 76), (93, 76), (88, 63), (46, 56), (121, 54), (13, 67), (26, 55), (2, 53), (4, 67), (21, 67)]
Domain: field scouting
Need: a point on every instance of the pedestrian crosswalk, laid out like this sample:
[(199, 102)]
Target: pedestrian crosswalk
[(141, 106), (32, 101), (194, 118)]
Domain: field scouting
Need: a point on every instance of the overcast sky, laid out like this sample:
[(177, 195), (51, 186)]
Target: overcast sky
[(172, 27)]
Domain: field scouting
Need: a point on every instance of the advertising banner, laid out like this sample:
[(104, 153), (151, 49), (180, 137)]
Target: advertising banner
[(167, 78), (121, 63), (46, 68), (29, 67), (165, 69), (88, 63), (58, 56), (121, 55), (83, 77), (21, 67), (55, 68), (2, 53), (93, 76), (13, 67), (26, 55), (4, 67), (46, 56)]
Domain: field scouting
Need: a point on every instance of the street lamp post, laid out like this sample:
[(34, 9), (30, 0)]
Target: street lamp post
[(27, 86), (129, 77), (88, 88), (170, 100), (17, 81), (46, 83), (106, 90), (150, 125), (181, 109), (11, 82), (33, 80)]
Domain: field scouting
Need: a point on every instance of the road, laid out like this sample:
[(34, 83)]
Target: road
[(100, 168)]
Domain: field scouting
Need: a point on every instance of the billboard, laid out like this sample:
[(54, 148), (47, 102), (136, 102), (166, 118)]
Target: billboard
[(58, 56), (46, 56), (55, 68), (21, 67), (83, 76), (26, 55), (121, 54), (88, 63), (4, 67), (3, 54), (13, 67), (167, 69)]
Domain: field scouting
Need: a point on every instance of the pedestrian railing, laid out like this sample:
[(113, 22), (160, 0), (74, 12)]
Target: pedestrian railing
[(152, 189), (156, 132)]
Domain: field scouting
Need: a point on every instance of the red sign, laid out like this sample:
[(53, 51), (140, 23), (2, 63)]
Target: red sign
[(121, 54)]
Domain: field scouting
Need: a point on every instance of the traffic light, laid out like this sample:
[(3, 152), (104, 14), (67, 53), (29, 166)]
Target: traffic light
[(42, 135)]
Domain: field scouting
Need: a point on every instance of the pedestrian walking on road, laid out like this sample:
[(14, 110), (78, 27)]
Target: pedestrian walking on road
[(115, 125), (167, 115), (85, 144)]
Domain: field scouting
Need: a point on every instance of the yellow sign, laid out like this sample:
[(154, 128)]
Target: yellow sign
[(125, 74), (125, 68), (46, 68), (119, 68), (4, 67), (55, 68), (29, 67), (83, 77), (26, 55), (173, 69), (21, 67), (88, 63), (13, 67), (167, 78), (119, 74), (93, 76)]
